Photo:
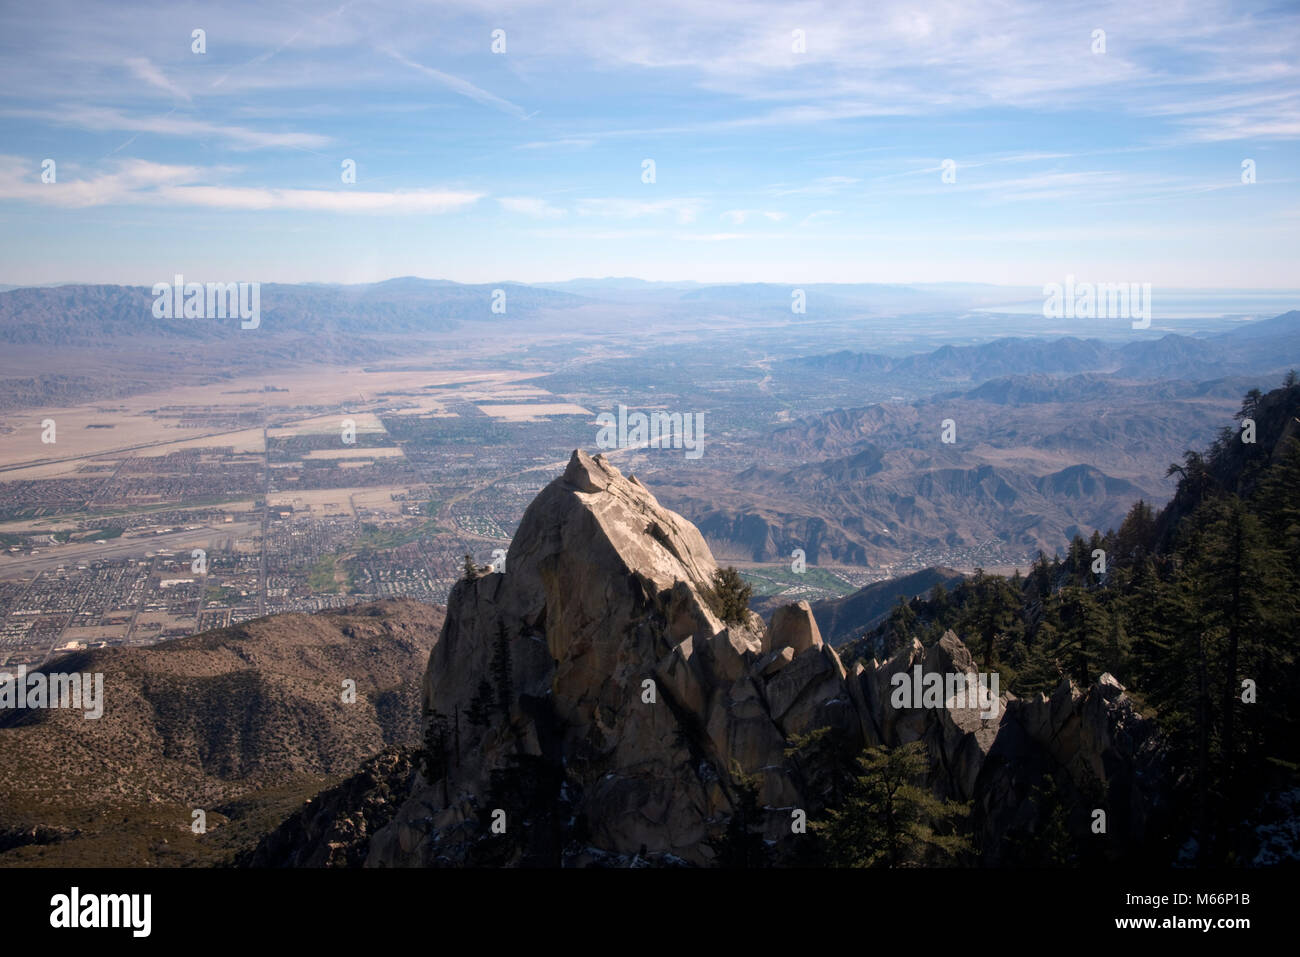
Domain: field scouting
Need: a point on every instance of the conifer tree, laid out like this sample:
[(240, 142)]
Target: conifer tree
[(730, 595), (1082, 628), (741, 844), (890, 820), (1136, 535), (479, 712), (503, 671), (437, 738)]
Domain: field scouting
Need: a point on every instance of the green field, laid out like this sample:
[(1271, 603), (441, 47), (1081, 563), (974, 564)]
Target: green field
[(812, 584)]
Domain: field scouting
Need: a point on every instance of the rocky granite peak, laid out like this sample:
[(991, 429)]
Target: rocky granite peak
[(591, 696)]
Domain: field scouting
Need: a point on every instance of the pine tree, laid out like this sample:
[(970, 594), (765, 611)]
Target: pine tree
[(730, 595), (1278, 500), (479, 712), (1049, 842), (827, 760), (939, 603), (742, 844), (503, 671), (902, 620), (530, 789), (1083, 625), (992, 612), (437, 734), (1114, 655), (1136, 536), (889, 820), (1235, 572), (1041, 672), (1041, 575), (1079, 562)]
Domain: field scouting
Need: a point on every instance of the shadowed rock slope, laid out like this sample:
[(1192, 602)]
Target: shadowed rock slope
[(227, 721), (841, 619)]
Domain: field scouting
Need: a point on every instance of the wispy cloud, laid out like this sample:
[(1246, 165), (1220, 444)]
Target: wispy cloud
[(145, 183), (829, 154), (821, 186), (738, 217), (464, 87), (683, 211), (530, 206), (108, 119), (320, 200), (142, 69), (819, 216)]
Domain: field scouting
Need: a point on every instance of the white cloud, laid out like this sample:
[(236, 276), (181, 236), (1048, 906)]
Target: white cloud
[(461, 86), (20, 180), (738, 217), (236, 137), (320, 200), (143, 69), (683, 211), (820, 216), (530, 206), (138, 182), (821, 186)]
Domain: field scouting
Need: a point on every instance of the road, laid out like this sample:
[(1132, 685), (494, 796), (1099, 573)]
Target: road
[(56, 555)]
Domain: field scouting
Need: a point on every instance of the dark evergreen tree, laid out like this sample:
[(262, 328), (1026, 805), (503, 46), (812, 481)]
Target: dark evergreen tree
[(479, 712), (1136, 535), (741, 844), (827, 761), (1048, 841), (730, 595), (503, 671), (437, 741), (890, 819)]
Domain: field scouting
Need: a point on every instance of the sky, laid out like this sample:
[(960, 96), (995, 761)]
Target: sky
[(791, 142)]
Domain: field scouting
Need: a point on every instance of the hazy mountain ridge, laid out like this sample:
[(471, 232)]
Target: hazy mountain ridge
[(878, 484), (79, 315), (1257, 347)]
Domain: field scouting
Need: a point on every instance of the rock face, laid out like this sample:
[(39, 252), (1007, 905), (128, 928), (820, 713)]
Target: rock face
[(334, 828), (633, 712), (1092, 749), (623, 677)]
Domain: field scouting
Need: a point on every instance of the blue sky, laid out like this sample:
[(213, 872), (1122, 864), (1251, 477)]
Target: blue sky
[(771, 164)]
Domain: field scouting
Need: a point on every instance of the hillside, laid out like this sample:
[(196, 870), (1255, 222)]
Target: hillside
[(1192, 608), (843, 618), (233, 721), (876, 485)]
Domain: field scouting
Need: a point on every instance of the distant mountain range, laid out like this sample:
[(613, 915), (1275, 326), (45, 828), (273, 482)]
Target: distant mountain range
[(1036, 459), (1260, 346), (85, 314), (79, 315)]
